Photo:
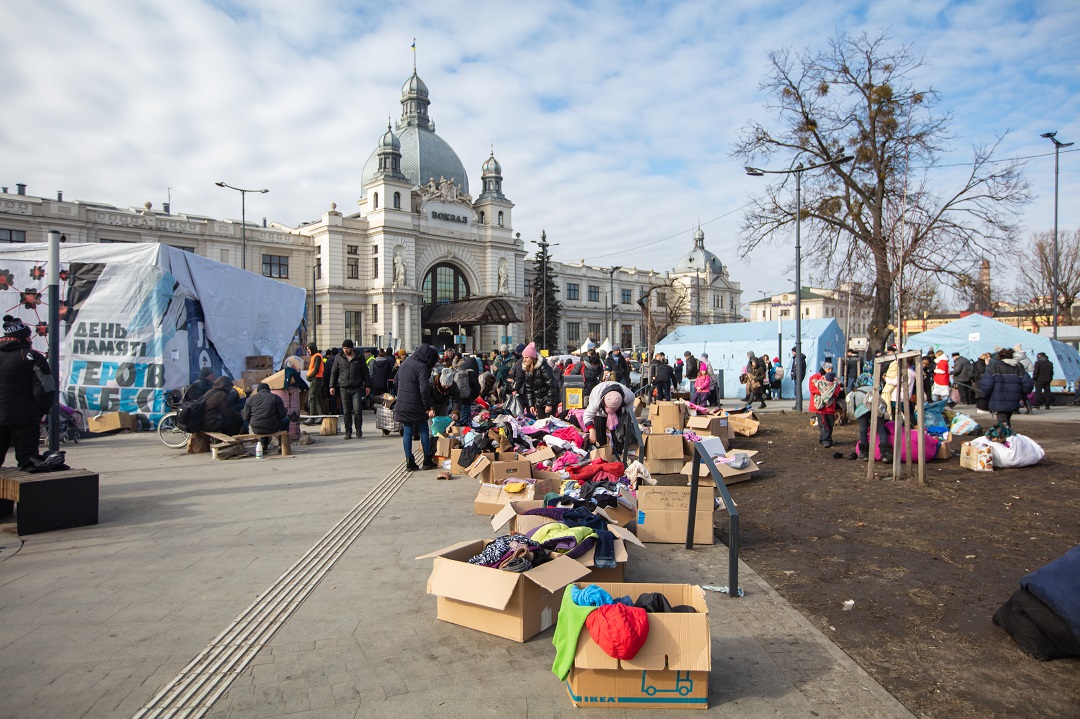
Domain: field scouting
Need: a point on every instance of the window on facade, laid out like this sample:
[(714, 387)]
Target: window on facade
[(318, 314), (352, 249), (731, 302), (109, 241), (225, 256), (444, 283), (483, 219), (374, 268), (374, 313), (375, 200), (785, 313), (354, 268), (594, 331), (528, 287), (594, 293), (661, 298), (318, 268), (186, 249), (353, 324), (717, 302), (627, 338), (573, 291), (500, 218), (12, 235), (573, 332), (374, 249), (627, 297), (397, 200), (276, 266)]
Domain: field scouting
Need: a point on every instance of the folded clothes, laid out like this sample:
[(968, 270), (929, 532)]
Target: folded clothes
[(497, 549)]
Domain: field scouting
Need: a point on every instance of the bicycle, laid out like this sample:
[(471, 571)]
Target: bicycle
[(170, 434)]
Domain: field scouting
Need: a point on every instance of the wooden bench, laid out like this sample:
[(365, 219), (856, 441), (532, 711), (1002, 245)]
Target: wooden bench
[(235, 443), (49, 500)]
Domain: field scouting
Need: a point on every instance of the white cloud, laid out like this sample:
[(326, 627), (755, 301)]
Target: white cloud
[(612, 121)]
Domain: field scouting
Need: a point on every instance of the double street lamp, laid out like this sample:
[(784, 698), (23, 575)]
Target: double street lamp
[(243, 219), (1058, 144), (798, 170)]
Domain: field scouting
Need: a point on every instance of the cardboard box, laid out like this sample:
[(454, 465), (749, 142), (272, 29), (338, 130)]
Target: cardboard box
[(506, 604), (455, 455), (714, 446), (605, 453), (445, 445), (251, 378), (498, 471), (663, 513), (670, 671), (943, 451), (276, 380), (540, 455), (492, 498), (112, 422), (710, 425), (744, 424), (667, 415), (260, 362), (388, 400), (665, 453)]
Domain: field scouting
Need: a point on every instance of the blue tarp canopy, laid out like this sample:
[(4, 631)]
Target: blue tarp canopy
[(728, 344), (975, 334)]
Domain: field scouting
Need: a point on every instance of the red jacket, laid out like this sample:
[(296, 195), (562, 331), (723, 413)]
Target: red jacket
[(941, 372), (829, 408)]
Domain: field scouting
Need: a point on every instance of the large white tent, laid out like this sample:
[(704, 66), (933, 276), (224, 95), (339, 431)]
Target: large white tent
[(727, 345), (975, 334), (140, 319)]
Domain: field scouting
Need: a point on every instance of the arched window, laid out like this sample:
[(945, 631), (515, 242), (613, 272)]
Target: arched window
[(444, 283), (500, 218), (483, 219), (376, 201), (397, 200)]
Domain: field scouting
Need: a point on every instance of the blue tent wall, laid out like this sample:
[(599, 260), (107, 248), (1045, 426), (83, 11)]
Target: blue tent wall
[(975, 334), (727, 345)]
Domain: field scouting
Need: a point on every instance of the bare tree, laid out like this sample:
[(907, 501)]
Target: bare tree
[(1034, 290), (878, 217), (672, 308)]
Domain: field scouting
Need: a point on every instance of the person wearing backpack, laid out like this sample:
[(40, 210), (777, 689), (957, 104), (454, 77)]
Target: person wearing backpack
[(218, 412), (199, 387), (464, 389), (27, 391), (825, 391)]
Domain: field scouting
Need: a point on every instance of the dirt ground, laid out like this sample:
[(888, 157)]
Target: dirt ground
[(927, 566)]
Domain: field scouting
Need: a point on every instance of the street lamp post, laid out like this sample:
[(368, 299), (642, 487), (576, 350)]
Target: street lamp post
[(243, 219), (798, 170), (1058, 144), (611, 288)]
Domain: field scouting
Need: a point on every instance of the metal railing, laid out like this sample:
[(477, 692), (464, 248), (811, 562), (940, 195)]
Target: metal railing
[(733, 515)]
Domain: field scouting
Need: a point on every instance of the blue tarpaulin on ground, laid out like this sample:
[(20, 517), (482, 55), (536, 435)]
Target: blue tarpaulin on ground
[(975, 334), (728, 344)]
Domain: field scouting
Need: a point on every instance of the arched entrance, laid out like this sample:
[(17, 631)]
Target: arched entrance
[(443, 284)]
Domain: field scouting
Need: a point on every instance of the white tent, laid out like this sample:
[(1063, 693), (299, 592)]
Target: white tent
[(141, 319), (975, 334), (727, 345)]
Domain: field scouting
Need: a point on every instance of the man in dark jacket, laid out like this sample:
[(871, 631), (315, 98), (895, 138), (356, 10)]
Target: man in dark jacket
[(413, 406), (691, 366), (27, 391), (963, 373), (265, 413), (200, 386), (592, 369), (1042, 375), (350, 380), (381, 369), (663, 376), (1005, 385), (618, 366), (220, 416)]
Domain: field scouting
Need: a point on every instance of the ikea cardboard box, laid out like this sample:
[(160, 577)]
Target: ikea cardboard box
[(112, 422), (665, 453), (507, 604), (667, 415), (670, 671), (730, 475), (513, 514), (663, 513)]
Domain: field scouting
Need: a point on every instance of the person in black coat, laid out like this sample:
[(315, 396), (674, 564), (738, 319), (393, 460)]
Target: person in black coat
[(1042, 374), (534, 383), (663, 376), (413, 405), (27, 392), (351, 381), (265, 413), (592, 370), (1005, 385), (381, 369), (200, 386), (618, 367), (220, 416)]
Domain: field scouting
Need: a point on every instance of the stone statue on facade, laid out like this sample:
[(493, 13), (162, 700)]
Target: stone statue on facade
[(502, 280), (399, 270)]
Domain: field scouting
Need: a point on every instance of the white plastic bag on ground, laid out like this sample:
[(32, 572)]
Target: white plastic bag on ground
[(1018, 451)]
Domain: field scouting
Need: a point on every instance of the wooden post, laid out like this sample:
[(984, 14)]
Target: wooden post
[(871, 439), (198, 443), (329, 427), (898, 413), (920, 404)]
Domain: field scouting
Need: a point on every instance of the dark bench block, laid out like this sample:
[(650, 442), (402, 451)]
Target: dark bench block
[(51, 500)]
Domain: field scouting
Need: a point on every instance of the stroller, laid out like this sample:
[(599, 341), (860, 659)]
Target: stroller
[(71, 421)]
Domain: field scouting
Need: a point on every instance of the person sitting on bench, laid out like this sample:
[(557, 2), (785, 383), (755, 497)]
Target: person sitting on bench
[(265, 413), (220, 415)]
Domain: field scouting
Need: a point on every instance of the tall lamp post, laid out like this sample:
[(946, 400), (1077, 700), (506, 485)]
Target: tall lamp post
[(543, 244), (611, 288), (243, 219), (1058, 144), (798, 170)]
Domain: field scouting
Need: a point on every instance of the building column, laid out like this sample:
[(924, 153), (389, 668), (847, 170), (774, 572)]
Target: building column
[(407, 334), (394, 321)]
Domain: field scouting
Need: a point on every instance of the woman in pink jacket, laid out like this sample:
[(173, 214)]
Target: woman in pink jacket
[(703, 382)]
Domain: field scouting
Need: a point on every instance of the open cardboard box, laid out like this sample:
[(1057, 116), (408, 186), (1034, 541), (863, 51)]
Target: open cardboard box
[(491, 498), (670, 671), (714, 447), (507, 604), (663, 512), (665, 453), (455, 455), (667, 415), (710, 425), (514, 515), (498, 470), (744, 423), (112, 422), (444, 446)]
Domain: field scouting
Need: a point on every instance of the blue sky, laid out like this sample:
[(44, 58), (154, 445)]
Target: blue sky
[(613, 121)]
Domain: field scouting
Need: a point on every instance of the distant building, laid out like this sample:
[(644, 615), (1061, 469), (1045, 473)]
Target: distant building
[(847, 306)]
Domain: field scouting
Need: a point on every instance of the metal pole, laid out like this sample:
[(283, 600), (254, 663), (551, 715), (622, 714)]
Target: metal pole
[(798, 289), (611, 288), (243, 230), (314, 306), (54, 337), (543, 241), (1054, 310)]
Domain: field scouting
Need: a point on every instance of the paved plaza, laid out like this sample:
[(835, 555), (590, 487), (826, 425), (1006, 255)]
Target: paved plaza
[(288, 587)]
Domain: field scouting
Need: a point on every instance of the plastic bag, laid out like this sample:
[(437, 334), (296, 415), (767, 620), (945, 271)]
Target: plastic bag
[(1018, 451), (514, 406), (963, 424), (933, 414), (439, 425)]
